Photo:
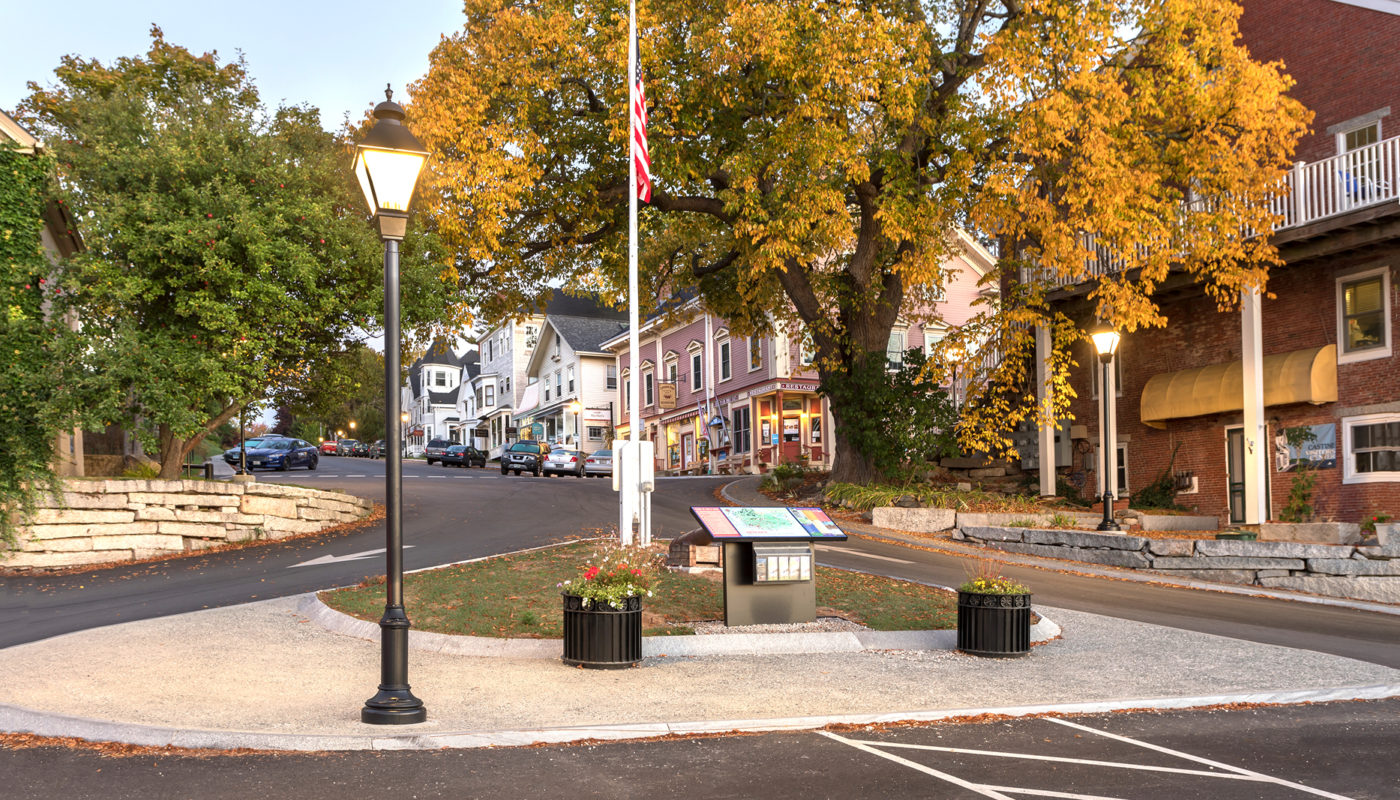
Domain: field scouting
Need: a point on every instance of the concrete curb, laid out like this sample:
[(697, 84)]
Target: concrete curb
[(730, 644), (21, 720)]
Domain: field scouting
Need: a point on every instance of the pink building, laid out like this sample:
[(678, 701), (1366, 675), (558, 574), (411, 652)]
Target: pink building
[(714, 400)]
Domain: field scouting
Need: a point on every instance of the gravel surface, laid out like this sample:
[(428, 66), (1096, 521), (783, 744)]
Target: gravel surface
[(264, 667), (822, 625)]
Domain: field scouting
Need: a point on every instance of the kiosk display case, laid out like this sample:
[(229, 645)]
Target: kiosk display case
[(770, 574)]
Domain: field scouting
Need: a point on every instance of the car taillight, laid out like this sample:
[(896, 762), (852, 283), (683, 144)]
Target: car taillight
[(572, 459)]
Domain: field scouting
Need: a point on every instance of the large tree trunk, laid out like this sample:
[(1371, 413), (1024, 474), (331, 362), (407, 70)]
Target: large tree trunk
[(849, 464), (174, 450)]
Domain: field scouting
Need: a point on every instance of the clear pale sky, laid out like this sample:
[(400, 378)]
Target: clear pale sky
[(335, 56)]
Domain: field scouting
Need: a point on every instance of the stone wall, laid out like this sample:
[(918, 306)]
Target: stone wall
[(1359, 572), (111, 521)]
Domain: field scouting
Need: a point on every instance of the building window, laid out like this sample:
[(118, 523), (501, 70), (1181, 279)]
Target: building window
[(571, 380), (490, 396), (671, 371), (439, 378), (697, 377), (557, 342), (724, 373), (1363, 315), (559, 383), (755, 353), (612, 376), (807, 352), (596, 433), (894, 350), (1358, 137), (627, 395), (1372, 448), (742, 430), (648, 389)]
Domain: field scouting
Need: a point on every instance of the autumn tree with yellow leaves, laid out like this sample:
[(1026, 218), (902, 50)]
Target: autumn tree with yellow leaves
[(812, 161)]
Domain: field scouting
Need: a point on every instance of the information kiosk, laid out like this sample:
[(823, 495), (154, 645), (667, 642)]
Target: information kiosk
[(770, 574)]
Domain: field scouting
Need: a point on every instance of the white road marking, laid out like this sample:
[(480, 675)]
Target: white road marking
[(827, 547), (1237, 770), (333, 559), (953, 779), (1049, 793), (1064, 759)]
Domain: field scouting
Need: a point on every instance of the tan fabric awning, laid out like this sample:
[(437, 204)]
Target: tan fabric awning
[(1302, 376)]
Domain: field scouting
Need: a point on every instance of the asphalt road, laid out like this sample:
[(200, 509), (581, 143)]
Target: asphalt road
[(453, 514), (1339, 750), (450, 514)]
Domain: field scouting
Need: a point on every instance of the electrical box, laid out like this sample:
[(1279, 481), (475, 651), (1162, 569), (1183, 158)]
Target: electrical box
[(782, 563), (1027, 444)]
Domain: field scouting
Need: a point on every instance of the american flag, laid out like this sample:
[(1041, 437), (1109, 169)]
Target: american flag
[(639, 133)]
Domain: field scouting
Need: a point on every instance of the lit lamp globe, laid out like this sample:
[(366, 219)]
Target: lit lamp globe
[(387, 163), (1106, 340)]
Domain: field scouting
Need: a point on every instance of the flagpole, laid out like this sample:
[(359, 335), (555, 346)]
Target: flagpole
[(633, 319)]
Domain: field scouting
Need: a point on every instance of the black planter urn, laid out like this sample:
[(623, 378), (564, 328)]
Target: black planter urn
[(598, 636), (995, 625)]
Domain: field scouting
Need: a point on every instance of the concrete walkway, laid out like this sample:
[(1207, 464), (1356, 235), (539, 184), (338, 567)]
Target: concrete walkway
[(282, 674)]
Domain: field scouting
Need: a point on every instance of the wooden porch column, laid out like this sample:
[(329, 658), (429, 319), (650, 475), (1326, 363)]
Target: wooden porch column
[(1255, 449), (1046, 438)]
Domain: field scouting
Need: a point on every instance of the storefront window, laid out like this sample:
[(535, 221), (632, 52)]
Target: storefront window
[(742, 430)]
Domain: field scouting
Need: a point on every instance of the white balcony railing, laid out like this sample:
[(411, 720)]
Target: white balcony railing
[(1338, 185)]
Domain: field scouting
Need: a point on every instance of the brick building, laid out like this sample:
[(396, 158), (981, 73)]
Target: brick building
[(1325, 360)]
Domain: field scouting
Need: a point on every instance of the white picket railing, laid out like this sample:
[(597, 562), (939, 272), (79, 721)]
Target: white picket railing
[(1338, 185)]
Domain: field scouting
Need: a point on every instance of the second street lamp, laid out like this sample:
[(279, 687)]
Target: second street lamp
[(1106, 343), (387, 163)]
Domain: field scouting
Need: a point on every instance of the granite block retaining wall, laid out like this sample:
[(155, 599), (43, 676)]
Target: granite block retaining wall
[(111, 521), (1359, 572)]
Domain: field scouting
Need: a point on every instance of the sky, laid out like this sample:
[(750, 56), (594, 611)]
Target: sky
[(335, 56)]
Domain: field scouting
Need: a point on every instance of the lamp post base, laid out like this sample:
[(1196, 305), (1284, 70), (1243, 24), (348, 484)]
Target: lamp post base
[(393, 705), (1108, 524)]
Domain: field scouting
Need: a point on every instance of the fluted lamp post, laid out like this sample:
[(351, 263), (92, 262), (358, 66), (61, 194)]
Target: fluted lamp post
[(1106, 343), (387, 163), (955, 357), (577, 408)]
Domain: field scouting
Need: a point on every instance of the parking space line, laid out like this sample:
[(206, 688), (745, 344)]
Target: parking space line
[(953, 779), (1066, 760), (1050, 793), (1198, 759)]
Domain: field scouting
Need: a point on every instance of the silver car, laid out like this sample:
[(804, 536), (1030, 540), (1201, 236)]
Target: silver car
[(564, 462), (600, 463)]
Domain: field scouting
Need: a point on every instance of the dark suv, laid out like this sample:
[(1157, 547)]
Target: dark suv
[(435, 450), (524, 457)]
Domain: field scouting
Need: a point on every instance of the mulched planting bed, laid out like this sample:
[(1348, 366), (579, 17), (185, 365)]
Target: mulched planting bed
[(517, 595)]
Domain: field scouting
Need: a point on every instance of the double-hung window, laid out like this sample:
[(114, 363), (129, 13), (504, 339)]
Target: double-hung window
[(649, 389), (1363, 316), (612, 376), (724, 373), (755, 353), (1371, 448), (697, 377)]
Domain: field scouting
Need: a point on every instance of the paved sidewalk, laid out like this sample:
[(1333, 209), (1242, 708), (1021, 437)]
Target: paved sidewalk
[(281, 674)]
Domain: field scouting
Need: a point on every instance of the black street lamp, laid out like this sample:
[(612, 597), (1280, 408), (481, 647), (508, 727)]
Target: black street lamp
[(955, 357), (387, 163), (1106, 343)]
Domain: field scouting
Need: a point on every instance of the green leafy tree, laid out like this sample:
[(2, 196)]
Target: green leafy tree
[(347, 386), (228, 252), (812, 160)]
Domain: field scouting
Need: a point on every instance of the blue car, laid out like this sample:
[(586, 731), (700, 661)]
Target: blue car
[(275, 452)]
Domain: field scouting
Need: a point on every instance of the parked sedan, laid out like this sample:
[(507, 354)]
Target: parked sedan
[(599, 463), (328, 447), (360, 449), (345, 447), (563, 462), (463, 455), (280, 453)]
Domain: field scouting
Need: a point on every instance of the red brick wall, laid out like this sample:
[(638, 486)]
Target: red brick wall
[(1345, 60), (1302, 315)]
